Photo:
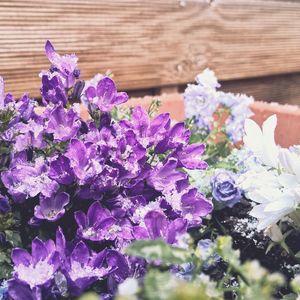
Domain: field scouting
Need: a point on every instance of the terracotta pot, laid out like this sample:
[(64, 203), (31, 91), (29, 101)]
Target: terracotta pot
[(288, 127)]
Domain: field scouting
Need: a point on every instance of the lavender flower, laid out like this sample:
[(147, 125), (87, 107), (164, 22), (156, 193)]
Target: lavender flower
[(52, 209), (148, 133), (28, 180), (60, 170), (65, 66), (63, 125), (52, 90), (224, 189), (38, 269), (157, 226), (201, 100), (98, 225), (189, 156), (105, 95), (165, 175), (83, 269)]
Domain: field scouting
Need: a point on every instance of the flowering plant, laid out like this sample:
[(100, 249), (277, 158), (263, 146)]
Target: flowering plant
[(77, 192)]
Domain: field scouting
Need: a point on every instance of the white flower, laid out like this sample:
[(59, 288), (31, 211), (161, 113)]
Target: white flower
[(270, 190), (261, 141), (290, 162), (208, 78)]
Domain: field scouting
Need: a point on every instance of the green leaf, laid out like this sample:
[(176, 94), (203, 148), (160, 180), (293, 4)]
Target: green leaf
[(158, 250), (13, 237)]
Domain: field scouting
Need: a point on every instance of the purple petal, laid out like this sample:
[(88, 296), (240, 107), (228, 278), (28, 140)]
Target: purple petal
[(81, 219), (106, 89), (39, 251), (156, 224), (81, 253), (176, 227), (60, 242), (120, 98), (20, 256)]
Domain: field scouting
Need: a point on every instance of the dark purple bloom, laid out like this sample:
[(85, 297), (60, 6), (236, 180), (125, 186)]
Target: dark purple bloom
[(60, 170), (52, 209), (190, 157), (65, 66), (83, 160), (224, 189), (36, 269), (158, 226), (165, 176), (25, 179), (4, 205), (52, 90), (83, 268), (25, 107), (63, 125), (105, 95), (98, 225), (177, 136), (148, 132)]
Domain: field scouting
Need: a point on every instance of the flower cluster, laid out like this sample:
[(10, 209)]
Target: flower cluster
[(105, 182), (202, 101), (273, 180)]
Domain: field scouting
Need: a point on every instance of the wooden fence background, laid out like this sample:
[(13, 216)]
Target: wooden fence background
[(158, 45)]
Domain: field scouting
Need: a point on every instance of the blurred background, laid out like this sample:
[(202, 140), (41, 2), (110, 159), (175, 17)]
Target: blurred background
[(159, 45)]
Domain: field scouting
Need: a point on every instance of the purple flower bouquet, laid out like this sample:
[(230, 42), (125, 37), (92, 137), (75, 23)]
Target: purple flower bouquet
[(76, 193)]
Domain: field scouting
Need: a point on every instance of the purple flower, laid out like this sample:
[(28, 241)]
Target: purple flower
[(25, 107), (37, 269), (83, 268), (82, 160), (28, 135), (4, 205), (177, 136), (158, 226), (98, 225), (63, 125), (52, 90), (60, 170), (224, 188), (186, 202), (194, 206), (148, 132), (25, 179), (190, 157), (165, 175), (65, 66), (52, 209), (105, 95)]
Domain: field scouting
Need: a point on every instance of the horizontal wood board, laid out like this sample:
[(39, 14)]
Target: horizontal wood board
[(150, 44)]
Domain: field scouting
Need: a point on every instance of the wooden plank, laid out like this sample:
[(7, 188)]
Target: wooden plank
[(150, 43), (283, 88)]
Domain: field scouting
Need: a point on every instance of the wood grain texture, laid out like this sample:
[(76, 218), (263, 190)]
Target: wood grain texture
[(150, 43)]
